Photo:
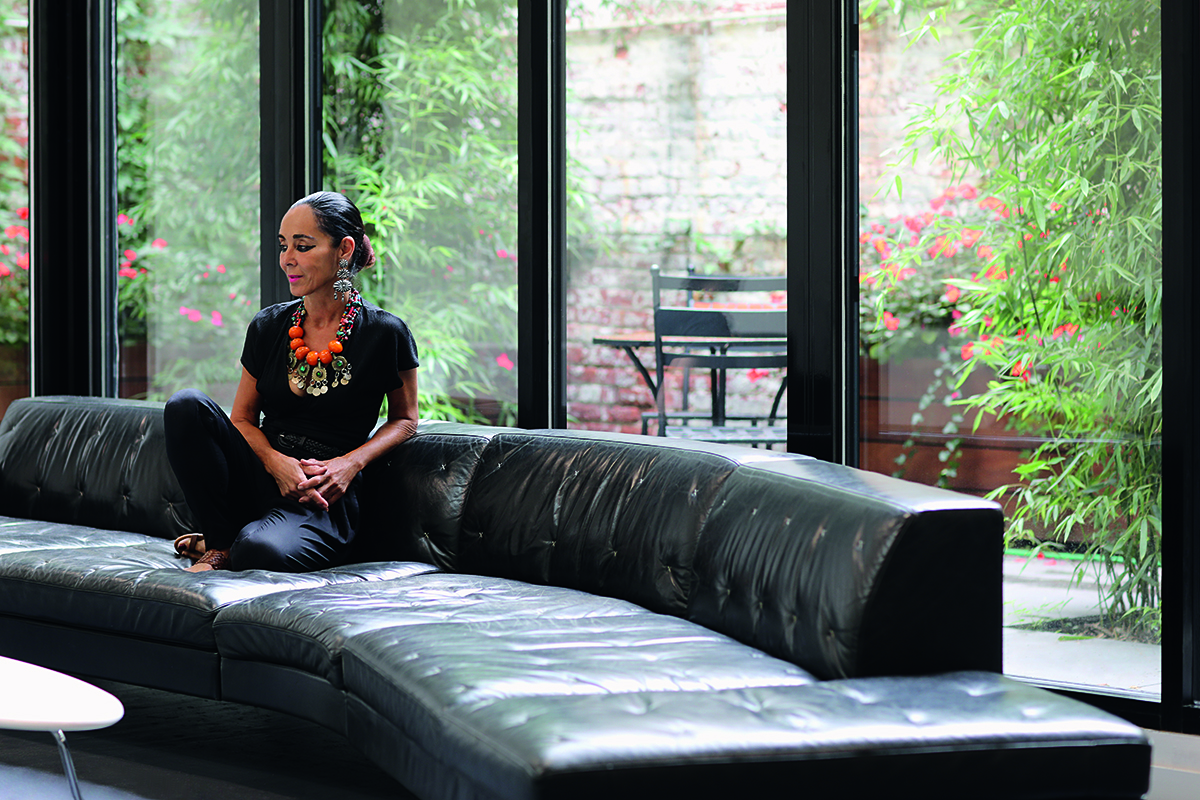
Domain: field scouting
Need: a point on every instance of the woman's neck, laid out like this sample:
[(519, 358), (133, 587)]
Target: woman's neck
[(323, 311)]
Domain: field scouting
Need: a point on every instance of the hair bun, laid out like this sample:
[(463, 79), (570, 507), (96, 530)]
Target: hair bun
[(368, 259)]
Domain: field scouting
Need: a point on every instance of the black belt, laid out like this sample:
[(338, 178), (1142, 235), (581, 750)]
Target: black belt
[(297, 446)]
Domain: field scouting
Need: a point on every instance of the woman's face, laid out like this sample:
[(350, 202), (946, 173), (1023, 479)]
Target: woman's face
[(307, 255)]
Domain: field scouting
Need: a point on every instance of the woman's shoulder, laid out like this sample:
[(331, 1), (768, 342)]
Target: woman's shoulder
[(377, 317), (272, 314)]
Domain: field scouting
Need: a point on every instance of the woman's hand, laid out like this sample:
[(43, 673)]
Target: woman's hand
[(327, 480), (290, 476)]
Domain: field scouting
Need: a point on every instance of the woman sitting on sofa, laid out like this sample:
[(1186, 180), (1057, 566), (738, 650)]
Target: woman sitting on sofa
[(285, 496)]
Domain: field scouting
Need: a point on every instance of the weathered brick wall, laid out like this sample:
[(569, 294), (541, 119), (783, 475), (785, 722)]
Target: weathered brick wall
[(895, 79), (679, 130)]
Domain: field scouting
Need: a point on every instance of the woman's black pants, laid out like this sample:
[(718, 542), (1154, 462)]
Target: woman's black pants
[(236, 502)]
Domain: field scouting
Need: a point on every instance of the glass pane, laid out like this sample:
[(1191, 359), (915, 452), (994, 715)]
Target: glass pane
[(420, 117), (1010, 269), (188, 193), (14, 203), (677, 157)]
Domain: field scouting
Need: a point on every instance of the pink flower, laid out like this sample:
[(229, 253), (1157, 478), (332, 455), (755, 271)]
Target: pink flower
[(194, 315), (130, 255), (984, 252), (205, 275), (127, 272), (953, 293), (159, 244), (890, 322), (449, 268), (217, 319), (757, 374), (504, 361), (967, 192), (221, 268), (233, 295), (23, 261), (124, 220), (17, 232), (4, 249), (4, 271), (501, 253), (23, 213)]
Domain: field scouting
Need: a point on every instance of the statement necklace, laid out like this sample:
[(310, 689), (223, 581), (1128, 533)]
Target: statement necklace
[(315, 371)]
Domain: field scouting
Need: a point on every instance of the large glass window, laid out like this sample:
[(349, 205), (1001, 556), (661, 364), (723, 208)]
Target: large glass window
[(677, 156), (188, 193), (420, 130), (1011, 287), (14, 202)]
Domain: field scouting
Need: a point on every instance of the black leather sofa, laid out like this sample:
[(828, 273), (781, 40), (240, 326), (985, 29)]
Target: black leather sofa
[(563, 614)]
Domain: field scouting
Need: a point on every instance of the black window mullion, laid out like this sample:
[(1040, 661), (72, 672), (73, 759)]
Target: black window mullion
[(73, 198), (820, 329), (541, 214), (290, 105), (1181, 378)]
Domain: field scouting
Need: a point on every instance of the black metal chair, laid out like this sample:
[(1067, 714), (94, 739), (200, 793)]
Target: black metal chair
[(728, 337)]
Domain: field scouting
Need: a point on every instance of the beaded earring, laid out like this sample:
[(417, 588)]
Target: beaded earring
[(342, 285)]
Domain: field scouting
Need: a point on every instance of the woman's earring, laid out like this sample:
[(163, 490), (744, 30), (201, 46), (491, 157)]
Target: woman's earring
[(342, 285)]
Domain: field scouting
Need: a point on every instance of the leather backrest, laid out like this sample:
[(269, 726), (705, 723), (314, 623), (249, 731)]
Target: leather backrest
[(603, 513), (849, 573), (90, 461), (413, 497)]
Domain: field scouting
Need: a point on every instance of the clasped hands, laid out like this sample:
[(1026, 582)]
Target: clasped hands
[(314, 482)]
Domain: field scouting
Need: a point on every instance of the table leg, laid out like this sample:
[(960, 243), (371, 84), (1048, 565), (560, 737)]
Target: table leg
[(68, 765)]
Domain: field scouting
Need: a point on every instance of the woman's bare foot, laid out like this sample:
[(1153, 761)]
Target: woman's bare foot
[(212, 559)]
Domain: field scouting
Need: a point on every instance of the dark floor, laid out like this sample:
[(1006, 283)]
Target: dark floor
[(170, 746)]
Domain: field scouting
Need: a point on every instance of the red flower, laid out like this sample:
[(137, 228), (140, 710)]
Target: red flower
[(22, 213), (1067, 330)]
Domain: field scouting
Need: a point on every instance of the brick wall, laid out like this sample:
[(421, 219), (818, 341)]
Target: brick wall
[(678, 128)]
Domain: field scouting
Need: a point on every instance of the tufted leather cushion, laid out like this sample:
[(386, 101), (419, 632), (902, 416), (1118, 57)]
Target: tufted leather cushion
[(309, 629), (88, 461), (526, 733), (414, 497), (143, 591), (613, 515), (25, 534), (831, 568)]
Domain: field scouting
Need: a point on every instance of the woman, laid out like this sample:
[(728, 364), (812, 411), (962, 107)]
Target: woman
[(285, 496)]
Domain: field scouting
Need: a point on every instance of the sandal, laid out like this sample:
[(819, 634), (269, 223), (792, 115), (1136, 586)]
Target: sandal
[(190, 545), (217, 559)]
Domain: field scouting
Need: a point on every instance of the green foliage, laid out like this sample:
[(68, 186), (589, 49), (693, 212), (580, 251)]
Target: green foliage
[(188, 160), (420, 129), (1057, 107)]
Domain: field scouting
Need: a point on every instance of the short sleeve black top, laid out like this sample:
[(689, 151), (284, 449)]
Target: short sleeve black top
[(379, 348)]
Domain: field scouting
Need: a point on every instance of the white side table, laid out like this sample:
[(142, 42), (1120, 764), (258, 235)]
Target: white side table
[(34, 698)]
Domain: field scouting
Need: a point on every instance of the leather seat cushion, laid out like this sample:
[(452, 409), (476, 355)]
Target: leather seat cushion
[(926, 736), (143, 590), (27, 534), (309, 629)]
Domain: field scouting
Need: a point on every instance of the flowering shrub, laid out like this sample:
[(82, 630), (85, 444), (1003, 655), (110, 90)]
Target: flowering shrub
[(14, 278), (1057, 106)]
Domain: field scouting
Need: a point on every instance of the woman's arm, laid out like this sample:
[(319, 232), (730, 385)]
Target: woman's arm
[(330, 479), (287, 472)]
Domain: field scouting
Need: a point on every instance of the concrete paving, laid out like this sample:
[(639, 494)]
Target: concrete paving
[(1037, 589)]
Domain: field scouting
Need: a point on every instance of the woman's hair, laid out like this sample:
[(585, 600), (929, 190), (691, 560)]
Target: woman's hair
[(338, 218)]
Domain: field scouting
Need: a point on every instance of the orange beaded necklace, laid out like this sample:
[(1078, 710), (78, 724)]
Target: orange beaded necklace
[(312, 371)]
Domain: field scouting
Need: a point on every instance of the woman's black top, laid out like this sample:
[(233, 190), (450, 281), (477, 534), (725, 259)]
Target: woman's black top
[(379, 348)]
